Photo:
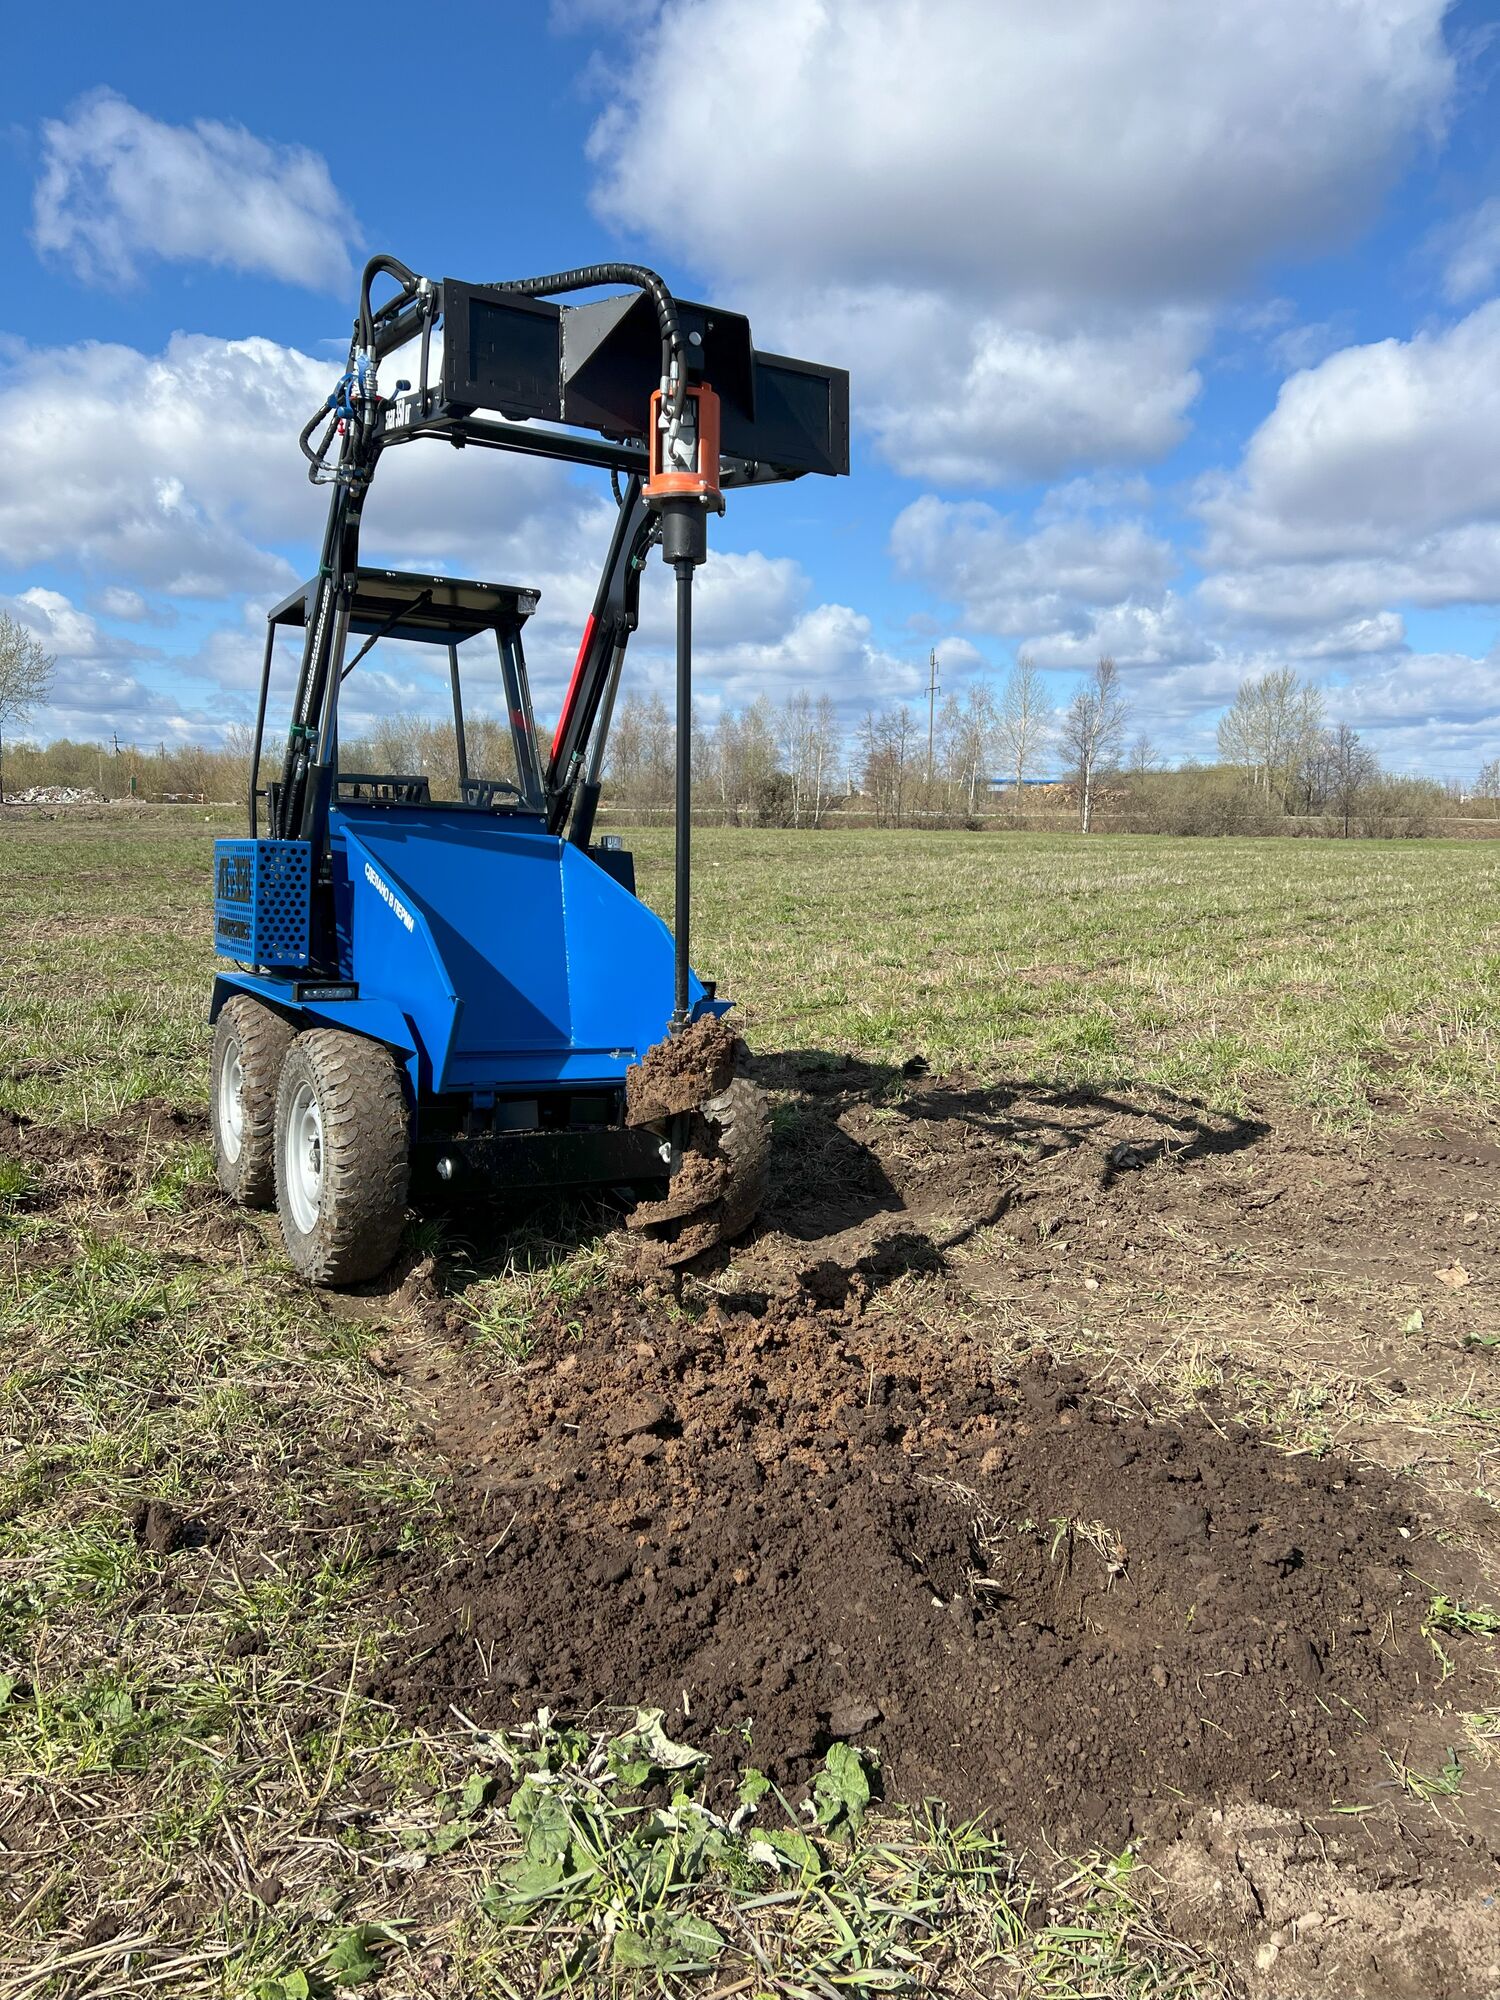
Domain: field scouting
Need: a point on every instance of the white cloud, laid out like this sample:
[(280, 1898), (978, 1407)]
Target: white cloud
[(100, 681), (1376, 445), (1375, 481), (1049, 581), (1157, 150), (1008, 403), (179, 472), (1472, 253), (168, 470), (174, 472), (1459, 566), (119, 188), (1013, 223), (118, 601)]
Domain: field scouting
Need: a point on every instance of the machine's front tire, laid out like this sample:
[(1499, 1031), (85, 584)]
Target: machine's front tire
[(250, 1045), (342, 1156)]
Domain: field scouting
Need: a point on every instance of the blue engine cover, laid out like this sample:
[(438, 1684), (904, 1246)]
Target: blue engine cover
[(516, 960)]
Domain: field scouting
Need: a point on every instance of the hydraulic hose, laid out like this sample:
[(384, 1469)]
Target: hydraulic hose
[(586, 276), (393, 267)]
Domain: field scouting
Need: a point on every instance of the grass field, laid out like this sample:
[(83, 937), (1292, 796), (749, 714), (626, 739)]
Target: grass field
[(196, 1797), (1319, 972)]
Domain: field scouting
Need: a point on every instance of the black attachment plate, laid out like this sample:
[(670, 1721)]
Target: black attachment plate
[(595, 366)]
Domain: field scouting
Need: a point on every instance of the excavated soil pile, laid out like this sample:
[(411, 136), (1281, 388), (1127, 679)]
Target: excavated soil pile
[(792, 1524)]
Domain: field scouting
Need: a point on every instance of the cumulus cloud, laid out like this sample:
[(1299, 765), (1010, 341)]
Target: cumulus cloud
[(119, 189), (1375, 445), (179, 472), (1159, 150), (169, 471), (1014, 230), (100, 681), (966, 398), (1012, 583), (1374, 481)]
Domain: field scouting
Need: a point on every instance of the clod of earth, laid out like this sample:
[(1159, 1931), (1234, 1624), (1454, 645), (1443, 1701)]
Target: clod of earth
[(157, 1526), (681, 1072)]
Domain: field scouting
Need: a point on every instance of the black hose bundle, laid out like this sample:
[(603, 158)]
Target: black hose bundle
[(586, 276), (581, 279)]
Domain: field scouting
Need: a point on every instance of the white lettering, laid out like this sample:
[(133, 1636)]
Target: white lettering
[(389, 897)]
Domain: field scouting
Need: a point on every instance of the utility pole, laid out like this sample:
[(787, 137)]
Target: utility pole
[(932, 688)]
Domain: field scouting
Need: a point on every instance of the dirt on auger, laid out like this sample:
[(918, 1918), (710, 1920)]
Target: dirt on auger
[(721, 1118)]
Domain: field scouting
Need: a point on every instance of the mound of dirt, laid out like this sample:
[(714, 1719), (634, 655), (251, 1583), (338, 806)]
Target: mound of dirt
[(798, 1525)]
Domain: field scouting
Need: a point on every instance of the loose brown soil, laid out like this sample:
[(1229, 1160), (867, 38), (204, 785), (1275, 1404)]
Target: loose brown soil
[(807, 1528), (839, 1488), (921, 1465), (99, 1161), (679, 1073)]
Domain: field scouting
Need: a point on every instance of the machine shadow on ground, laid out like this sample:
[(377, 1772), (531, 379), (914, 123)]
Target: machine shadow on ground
[(877, 1169)]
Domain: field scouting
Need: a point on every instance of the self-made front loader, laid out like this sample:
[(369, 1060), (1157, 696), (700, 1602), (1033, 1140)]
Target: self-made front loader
[(462, 983)]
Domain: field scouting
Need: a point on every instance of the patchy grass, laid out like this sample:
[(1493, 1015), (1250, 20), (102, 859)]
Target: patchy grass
[(195, 1795)]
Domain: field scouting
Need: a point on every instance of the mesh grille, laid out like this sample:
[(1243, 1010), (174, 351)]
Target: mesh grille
[(262, 891), (282, 880)]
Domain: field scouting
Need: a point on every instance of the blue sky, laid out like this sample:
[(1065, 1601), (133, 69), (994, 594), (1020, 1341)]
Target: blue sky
[(1174, 333)]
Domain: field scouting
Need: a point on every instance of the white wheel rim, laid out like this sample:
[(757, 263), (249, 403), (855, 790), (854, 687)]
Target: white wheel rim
[(232, 1104), (302, 1159)]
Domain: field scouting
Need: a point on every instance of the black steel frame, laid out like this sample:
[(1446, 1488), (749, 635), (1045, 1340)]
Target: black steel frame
[(540, 365)]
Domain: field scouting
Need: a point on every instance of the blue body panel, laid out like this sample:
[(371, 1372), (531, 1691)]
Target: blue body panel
[(492, 955)]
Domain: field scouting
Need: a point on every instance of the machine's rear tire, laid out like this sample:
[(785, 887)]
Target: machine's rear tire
[(250, 1045), (342, 1158)]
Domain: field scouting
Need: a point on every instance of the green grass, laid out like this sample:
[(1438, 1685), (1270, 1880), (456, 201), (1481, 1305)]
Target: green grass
[(173, 1729), (1322, 972), (1315, 970)]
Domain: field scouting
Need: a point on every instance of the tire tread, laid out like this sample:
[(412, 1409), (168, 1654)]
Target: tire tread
[(366, 1160), (263, 1037)]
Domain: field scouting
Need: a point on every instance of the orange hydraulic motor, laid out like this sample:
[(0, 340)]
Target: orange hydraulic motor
[(682, 477), (683, 463)]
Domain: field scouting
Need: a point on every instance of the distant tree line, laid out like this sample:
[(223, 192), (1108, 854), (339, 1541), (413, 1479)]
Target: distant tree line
[(997, 755)]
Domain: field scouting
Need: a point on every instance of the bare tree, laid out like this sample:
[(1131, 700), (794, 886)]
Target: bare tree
[(968, 724), (808, 738), (1141, 759), (1271, 731), (25, 676), (1092, 729), (887, 743), (1487, 784), (1022, 729), (1347, 770), (746, 755)]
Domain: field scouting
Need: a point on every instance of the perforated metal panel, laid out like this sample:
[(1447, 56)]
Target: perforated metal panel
[(261, 893)]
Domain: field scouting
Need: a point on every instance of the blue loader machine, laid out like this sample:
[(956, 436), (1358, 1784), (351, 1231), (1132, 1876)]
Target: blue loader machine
[(449, 977)]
